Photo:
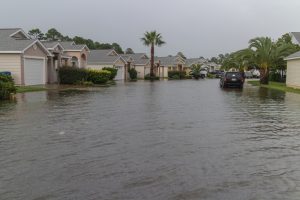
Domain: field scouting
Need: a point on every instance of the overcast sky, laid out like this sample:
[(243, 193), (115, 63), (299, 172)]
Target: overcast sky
[(195, 27)]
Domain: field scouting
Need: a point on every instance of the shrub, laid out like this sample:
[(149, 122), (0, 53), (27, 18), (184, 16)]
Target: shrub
[(7, 87), (148, 77), (72, 75), (98, 76), (176, 74), (113, 72), (209, 75), (275, 76), (132, 74)]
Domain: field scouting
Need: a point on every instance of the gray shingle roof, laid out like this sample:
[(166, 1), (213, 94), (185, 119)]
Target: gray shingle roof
[(8, 43), (191, 61), (71, 46), (296, 36), (293, 56), (138, 58), (50, 44), (102, 57), (168, 60)]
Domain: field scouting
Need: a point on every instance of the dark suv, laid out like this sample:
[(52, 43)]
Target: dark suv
[(232, 79)]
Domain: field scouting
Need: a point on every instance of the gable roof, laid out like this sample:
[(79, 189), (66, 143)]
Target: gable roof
[(103, 56), (170, 60), (296, 36), (10, 44), (71, 46), (137, 58), (293, 56)]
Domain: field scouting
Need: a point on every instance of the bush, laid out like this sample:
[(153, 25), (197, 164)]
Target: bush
[(132, 74), (98, 76), (176, 74), (276, 77), (148, 77), (72, 75), (7, 87), (209, 75), (113, 72)]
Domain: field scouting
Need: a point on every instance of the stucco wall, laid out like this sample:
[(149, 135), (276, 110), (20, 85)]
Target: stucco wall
[(11, 63), (140, 71), (293, 73), (98, 66)]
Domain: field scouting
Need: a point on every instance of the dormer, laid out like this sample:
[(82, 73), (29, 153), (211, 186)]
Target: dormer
[(20, 35), (112, 53)]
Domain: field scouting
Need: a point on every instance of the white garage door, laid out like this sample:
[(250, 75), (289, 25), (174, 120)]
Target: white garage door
[(120, 74), (34, 71)]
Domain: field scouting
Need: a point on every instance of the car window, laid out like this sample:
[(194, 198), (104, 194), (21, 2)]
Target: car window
[(233, 75)]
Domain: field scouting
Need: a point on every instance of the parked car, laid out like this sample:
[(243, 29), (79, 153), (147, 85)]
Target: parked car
[(219, 74), (256, 73), (232, 79), (248, 75), (203, 73)]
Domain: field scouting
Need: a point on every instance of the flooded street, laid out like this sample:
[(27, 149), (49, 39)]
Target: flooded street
[(167, 140)]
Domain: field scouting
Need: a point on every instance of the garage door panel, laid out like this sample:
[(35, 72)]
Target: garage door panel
[(34, 71)]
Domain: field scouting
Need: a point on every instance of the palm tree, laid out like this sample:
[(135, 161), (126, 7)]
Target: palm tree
[(152, 39), (267, 53)]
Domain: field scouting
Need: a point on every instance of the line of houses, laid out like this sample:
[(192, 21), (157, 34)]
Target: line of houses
[(34, 62)]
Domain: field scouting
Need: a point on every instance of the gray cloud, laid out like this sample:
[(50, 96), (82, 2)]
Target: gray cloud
[(195, 27)]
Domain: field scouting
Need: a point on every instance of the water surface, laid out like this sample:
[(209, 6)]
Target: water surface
[(177, 140)]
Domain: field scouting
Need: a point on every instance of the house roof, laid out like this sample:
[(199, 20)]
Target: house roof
[(296, 36), (10, 43), (50, 44), (170, 60), (293, 56), (103, 56), (71, 46), (138, 58), (191, 61)]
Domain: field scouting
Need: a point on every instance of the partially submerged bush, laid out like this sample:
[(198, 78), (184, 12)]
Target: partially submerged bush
[(7, 87), (148, 77), (176, 74), (98, 76), (132, 74), (113, 72), (74, 75)]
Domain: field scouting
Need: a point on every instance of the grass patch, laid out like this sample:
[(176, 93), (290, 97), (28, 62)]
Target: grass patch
[(22, 89), (276, 86)]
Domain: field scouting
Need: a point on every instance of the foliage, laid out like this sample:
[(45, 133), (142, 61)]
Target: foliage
[(210, 76), (152, 39), (275, 76), (72, 75), (176, 74), (132, 74), (195, 71), (98, 76), (129, 51), (181, 55), (36, 34), (148, 77), (113, 72), (7, 87), (54, 35)]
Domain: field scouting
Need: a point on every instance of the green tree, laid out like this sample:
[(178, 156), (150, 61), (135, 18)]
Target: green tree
[(129, 51), (36, 34), (53, 35), (195, 70), (117, 48), (152, 39)]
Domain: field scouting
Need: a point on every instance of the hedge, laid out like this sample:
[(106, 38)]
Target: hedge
[(176, 74), (113, 72), (74, 75), (7, 87)]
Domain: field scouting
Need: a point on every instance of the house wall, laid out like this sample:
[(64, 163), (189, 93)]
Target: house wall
[(38, 52), (82, 64), (293, 73), (99, 66), (12, 63), (140, 71)]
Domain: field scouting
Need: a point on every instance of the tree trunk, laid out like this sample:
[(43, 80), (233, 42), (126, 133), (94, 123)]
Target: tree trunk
[(152, 61), (264, 76)]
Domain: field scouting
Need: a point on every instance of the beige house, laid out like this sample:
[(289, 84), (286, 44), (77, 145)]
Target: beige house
[(77, 53), (293, 70), (139, 61), (24, 58), (98, 59), (168, 63)]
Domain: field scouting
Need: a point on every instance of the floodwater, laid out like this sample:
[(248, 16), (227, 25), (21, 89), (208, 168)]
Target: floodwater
[(167, 140)]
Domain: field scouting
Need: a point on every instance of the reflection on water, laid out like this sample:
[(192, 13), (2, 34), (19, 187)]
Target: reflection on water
[(159, 140)]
